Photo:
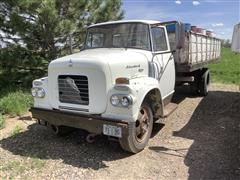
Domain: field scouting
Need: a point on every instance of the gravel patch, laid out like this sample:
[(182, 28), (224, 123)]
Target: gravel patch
[(200, 140)]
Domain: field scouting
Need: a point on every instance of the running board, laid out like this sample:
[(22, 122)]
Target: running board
[(168, 109)]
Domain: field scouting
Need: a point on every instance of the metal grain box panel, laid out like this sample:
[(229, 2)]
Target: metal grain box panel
[(198, 50), (202, 49)]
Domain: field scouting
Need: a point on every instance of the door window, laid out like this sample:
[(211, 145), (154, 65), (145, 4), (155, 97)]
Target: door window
[(159, 39)]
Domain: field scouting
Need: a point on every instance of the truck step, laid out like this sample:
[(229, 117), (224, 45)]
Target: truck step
[(169, 108)]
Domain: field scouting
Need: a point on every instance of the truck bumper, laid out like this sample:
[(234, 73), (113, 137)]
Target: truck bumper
[(92, 124)]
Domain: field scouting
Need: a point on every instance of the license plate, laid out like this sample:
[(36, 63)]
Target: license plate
[(112, 130)]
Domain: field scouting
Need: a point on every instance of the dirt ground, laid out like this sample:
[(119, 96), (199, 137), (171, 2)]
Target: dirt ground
[(200, 140)]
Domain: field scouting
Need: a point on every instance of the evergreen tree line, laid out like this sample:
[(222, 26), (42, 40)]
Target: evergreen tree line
[(226, 43), (34, 32)]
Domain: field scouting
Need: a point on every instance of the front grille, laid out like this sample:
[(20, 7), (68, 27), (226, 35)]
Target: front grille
[(73, 89)]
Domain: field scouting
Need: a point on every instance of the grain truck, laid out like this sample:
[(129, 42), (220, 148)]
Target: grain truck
[(123, 79)]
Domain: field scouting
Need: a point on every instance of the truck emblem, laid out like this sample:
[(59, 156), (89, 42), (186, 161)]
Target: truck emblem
[(132, 66), (70, 63)]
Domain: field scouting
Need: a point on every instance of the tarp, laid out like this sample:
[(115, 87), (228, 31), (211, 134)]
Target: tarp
[(236, 38)]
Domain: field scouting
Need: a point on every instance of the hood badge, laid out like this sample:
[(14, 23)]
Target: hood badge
[(70, 63), (133, 66)]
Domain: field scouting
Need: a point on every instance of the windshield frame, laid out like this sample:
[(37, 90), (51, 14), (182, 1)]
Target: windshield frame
[(148, 29)]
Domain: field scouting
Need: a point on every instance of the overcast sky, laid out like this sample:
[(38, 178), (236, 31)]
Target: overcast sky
[(217, 15)]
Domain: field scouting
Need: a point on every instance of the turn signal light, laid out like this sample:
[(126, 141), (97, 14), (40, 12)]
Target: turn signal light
[(122, 80)]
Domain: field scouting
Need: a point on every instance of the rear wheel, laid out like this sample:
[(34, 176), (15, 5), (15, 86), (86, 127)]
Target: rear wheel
[(204, 83), (201, 83), (139, 132)]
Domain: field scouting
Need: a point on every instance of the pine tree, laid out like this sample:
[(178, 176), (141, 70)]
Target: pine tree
[(34, 32), (46, 25)]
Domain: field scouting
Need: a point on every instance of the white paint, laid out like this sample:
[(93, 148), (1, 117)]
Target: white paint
[(126, 21)]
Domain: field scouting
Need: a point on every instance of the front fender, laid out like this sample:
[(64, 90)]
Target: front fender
[(147, 85), (138, 88)]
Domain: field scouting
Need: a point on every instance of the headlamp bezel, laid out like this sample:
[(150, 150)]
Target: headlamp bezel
[(38, 92), (121, 97)]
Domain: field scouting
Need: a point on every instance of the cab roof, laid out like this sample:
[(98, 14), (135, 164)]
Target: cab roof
[(125, 21)]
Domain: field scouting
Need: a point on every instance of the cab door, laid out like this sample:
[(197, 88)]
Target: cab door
[(163, 60)]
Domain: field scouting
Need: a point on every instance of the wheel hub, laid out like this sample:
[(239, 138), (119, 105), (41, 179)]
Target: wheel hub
[(142, 124)]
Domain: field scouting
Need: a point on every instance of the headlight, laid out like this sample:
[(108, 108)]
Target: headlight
[(38, 92), (121, 100), (125, 101), (34, 92), (115, 100)]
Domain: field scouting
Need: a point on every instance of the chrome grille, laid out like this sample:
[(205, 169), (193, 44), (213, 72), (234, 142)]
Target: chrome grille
[(73, 89)]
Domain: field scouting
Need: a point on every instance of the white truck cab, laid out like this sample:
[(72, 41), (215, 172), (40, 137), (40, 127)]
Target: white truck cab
[(121, 81)]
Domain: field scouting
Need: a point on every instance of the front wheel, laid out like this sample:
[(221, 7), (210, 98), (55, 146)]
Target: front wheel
[(139, 132)]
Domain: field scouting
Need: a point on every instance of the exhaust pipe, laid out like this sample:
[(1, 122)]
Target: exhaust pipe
[(55, 129)]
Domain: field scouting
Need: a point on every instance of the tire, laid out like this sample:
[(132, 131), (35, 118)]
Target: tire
[(204, 83), (194, 88), (139, 132), (201, 83)]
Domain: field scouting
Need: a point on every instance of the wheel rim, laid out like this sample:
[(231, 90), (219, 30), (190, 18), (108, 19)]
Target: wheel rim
[(142, 124)]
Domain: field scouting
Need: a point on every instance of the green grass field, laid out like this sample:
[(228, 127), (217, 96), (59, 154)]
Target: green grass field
[(14, 102), (228, 69)]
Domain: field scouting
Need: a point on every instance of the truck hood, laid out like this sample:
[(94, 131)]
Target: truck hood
[(119, 62), (100, 67)]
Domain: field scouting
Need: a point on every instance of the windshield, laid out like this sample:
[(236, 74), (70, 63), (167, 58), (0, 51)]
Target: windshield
[(127, 35)]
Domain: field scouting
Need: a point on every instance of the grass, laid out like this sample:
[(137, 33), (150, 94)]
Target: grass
[(14, 165), (15, 102), (2, 121), (14, 168), (228, 69), (36, 163), (16, 130)]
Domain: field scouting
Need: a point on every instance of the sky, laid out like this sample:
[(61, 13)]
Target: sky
[(219, 16)]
